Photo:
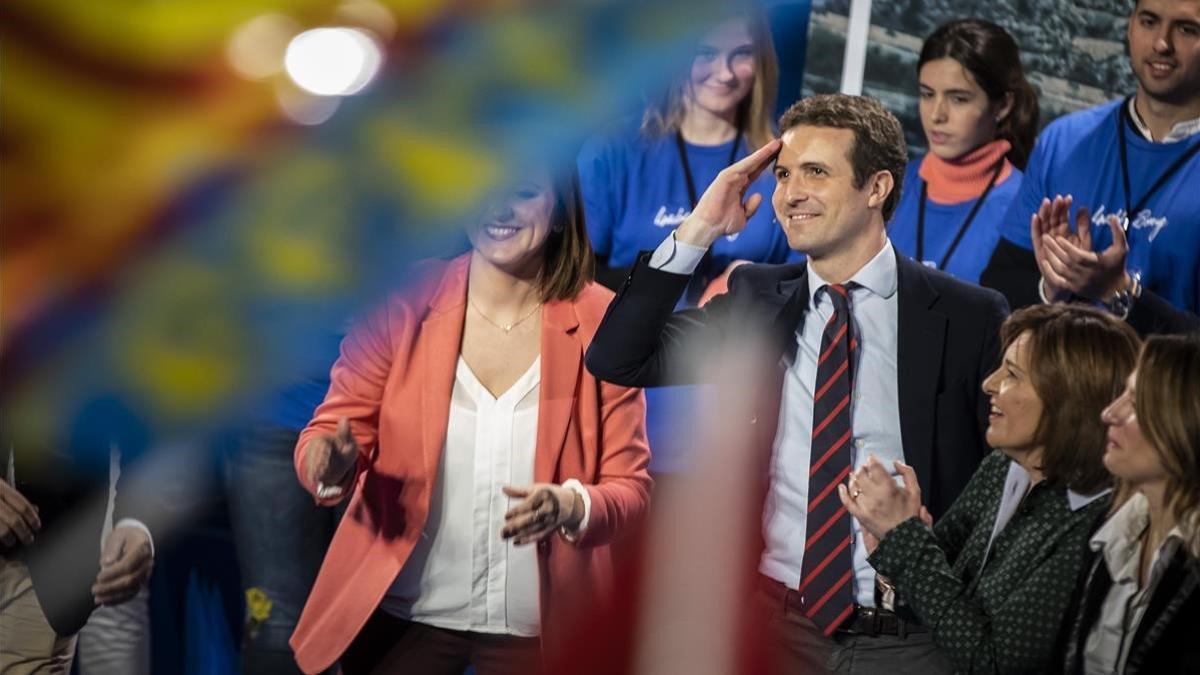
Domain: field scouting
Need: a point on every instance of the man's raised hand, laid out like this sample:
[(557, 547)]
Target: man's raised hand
[(721, 209)]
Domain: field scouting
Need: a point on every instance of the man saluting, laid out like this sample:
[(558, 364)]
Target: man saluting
[(877, 356)]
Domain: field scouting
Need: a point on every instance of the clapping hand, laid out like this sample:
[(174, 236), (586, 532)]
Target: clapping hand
[(1067, 260), (871, 543), (874, 499)]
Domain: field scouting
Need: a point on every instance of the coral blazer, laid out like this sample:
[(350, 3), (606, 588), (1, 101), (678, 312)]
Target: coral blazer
[(393, 382)]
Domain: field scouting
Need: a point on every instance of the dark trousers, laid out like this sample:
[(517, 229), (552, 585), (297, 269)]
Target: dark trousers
[(388, 644), (797, 646)]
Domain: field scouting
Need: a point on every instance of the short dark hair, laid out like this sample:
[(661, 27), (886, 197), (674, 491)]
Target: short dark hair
[(1079, 358), (991, 56), (567, 260), (878, 138)]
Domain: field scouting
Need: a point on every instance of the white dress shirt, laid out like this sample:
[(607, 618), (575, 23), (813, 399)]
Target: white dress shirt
[(1120, 539), (875, 410), (462, 575)]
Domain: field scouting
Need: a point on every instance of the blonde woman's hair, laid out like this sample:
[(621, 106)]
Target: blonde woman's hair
[(756, 112), (1168, 411)]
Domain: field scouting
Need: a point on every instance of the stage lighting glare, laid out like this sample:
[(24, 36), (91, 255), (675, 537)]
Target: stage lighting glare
[(332, 61)]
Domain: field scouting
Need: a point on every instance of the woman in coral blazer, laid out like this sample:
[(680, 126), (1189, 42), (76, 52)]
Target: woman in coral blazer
[(463, 427)]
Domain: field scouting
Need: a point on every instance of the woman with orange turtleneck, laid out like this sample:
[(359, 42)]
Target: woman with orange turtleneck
[(980, 116)]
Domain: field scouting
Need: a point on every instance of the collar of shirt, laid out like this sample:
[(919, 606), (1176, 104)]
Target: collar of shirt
[(1124, 607), (1016, 486), (1181, 131), (1120, 539), (878, 276), (1078, 500), (1018, 476)]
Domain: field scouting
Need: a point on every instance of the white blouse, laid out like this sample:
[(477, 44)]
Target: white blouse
[(1120, 539), (462, 575)]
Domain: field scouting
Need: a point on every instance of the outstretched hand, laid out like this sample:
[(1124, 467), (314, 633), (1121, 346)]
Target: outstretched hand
[(544, 508), (330, 459)]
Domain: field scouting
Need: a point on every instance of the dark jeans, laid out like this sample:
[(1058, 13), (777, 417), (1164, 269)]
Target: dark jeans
[(388, 644), (281, 537)]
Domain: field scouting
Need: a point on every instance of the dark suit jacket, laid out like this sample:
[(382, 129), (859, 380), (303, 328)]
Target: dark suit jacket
[(1165, 641), (948, 341)]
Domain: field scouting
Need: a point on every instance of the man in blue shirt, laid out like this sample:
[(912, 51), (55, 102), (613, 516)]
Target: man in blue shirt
[(1129, 172)]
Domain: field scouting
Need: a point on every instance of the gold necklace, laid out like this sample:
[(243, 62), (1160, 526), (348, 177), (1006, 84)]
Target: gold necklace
[(504, 327)]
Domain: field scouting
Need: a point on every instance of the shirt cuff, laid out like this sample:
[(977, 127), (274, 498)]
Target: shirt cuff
[(575, 485), (898, 548), (134, 522), (1042, 290), (676, 257), (887, 593)]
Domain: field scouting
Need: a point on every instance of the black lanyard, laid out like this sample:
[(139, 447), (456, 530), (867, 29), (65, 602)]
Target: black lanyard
[(691, 186), (1132, 211), (962, 229), (687, 170)]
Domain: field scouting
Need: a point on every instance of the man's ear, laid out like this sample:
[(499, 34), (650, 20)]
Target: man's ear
[(879, 187)]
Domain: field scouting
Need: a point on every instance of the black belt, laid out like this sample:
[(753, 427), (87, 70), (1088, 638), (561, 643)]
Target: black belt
[(874, 621), (869, 621)]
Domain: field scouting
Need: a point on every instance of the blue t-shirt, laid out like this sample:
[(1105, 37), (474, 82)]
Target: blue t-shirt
[(1078, 155), (635, 193), (943, 221)]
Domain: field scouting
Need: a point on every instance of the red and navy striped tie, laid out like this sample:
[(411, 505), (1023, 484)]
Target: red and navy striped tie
[(827, 574)]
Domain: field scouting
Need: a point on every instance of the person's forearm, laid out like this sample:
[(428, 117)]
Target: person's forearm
[(631, 347), (615, 507), (1152, 314), (694, 231)]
